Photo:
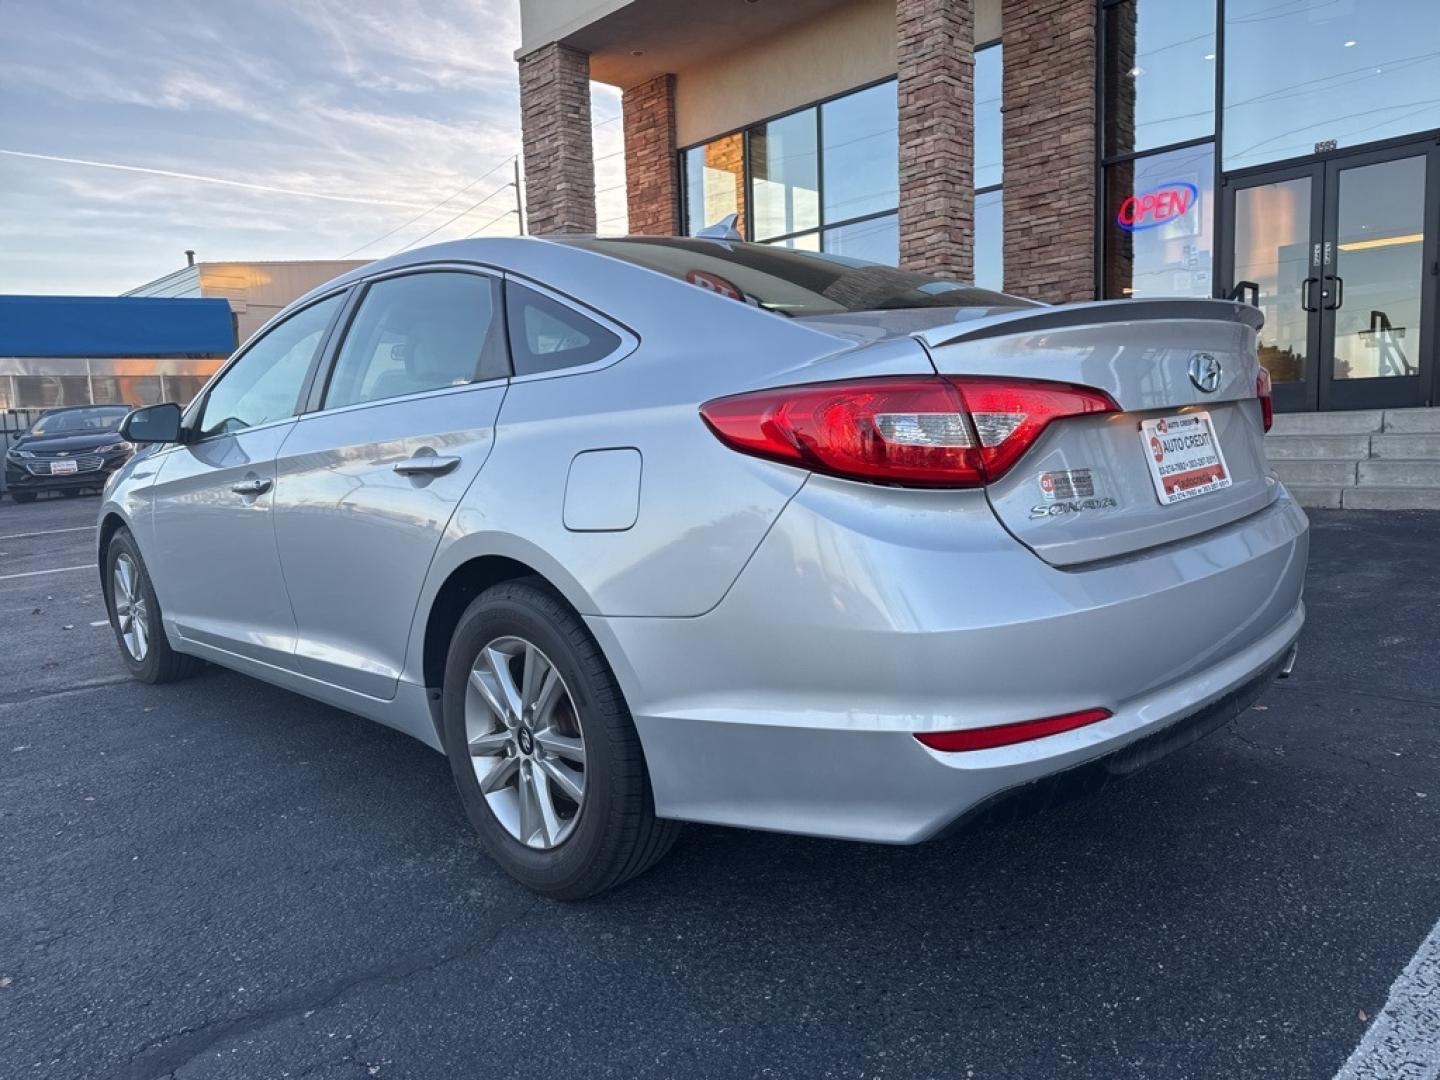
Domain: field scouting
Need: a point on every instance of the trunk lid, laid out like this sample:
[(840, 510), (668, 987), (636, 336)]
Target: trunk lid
[(1086, 489)]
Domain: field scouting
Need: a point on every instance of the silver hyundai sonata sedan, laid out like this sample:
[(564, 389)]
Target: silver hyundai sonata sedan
[(649, 530)]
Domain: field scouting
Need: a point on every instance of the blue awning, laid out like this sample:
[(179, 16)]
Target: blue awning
[(115, 326)]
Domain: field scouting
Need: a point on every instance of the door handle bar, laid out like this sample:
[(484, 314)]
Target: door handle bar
[(1339, 291), (251, 487), (1305, 287), (426, 465)]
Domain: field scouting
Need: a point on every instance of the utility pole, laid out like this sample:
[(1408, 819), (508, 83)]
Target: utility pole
[(519, 203)]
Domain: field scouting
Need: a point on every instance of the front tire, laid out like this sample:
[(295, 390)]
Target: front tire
[(543, 749), (135, 616), (23, 496)]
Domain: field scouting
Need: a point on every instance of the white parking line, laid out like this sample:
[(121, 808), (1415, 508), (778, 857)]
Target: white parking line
[(37, 573), (1404, 1041), (48, 532)]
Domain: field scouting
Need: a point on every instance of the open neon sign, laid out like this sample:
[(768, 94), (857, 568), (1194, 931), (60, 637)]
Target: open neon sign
[(1152, 208)]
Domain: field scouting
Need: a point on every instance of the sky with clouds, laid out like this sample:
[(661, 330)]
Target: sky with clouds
[(330, 122)]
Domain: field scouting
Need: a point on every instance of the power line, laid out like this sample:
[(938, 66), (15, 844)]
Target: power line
[(492, 221), (457, 217), (442, 202)]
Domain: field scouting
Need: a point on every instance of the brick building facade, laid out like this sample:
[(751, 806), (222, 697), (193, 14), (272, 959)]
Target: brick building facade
[(1063, 150)]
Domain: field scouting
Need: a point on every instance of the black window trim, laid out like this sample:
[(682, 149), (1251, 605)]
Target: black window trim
[(744, 132), (196, 409), (314, 396), (628, 341)]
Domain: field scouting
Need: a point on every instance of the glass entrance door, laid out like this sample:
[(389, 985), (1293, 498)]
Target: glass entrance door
[(1375, 338), (1341, 258), (1269, 263)]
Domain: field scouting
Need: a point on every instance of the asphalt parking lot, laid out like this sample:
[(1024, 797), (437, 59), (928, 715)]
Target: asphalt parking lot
[(221, 879)]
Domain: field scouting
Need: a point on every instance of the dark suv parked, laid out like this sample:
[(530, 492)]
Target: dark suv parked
[(67, 450)]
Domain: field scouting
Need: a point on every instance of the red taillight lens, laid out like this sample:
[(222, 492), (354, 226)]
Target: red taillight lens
[(1264, 390), (987, 738), (924, 431)]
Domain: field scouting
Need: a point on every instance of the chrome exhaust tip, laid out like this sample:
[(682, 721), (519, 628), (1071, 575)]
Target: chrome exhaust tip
[(1289, 665)]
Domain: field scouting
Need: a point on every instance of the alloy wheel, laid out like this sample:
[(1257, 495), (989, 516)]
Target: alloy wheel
[(131, 616), (526, 742)]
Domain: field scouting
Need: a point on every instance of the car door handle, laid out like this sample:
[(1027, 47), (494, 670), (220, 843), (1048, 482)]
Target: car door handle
[(251, 487), (426, 465)]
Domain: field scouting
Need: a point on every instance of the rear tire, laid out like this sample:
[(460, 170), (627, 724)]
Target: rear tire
[(23, 496), (584, 742), (135, 616)]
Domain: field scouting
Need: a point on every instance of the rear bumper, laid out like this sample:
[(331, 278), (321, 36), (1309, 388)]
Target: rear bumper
[(867, 617), (1035, 796)]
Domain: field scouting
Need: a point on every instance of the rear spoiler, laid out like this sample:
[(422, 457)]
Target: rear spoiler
[(1093, 313)]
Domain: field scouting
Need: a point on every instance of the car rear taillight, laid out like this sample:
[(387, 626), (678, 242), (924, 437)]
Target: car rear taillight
[(987, 738), (921, 431), (1264, 390)]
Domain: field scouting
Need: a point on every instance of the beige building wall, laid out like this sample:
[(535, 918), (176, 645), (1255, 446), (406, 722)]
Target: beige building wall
[(256, 290), (816, 59)]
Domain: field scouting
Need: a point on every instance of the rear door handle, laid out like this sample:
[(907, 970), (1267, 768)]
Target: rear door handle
[(426, 465), (251, 487)]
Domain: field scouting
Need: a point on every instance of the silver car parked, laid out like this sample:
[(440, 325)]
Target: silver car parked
[(649, 530)]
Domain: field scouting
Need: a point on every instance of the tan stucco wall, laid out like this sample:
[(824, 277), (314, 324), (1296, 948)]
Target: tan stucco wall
[(817, 59)]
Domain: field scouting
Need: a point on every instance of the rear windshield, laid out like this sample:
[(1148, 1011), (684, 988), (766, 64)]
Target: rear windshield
[(791, 282)]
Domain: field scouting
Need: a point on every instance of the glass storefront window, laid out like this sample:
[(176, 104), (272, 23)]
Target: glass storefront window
[(861, 153), (1160, 224), (784, 175), (989, 126), (825, 178), (804, 242), (875, 240), (1300, 76), (715, 182), (1159, 74), (990, 240)]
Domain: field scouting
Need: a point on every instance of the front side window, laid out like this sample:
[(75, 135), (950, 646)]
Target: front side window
[(546, 335), (419, 332), (264, 383)]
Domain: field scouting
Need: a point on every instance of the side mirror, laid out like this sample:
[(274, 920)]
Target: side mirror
[(152, 424)]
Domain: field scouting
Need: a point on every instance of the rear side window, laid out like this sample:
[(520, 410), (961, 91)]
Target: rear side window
[(545, 335), (419, 332)]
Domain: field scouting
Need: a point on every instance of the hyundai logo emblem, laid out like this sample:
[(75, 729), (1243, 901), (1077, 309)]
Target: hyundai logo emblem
[(1205, 372)]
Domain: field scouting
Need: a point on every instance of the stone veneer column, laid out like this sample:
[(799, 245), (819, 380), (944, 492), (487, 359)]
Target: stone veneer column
[(651, 182), (1049, 106), (935, 42), (555, 131)]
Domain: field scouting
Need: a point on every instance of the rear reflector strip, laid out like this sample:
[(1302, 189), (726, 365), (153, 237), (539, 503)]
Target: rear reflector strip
[(987, 738)]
